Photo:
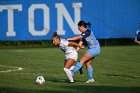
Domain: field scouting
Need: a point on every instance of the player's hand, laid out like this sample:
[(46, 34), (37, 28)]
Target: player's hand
[(82, 46)]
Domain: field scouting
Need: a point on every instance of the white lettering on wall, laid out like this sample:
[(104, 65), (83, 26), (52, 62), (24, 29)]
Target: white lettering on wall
[(62, 12), (31, 18), (62, 16), (10, 12)]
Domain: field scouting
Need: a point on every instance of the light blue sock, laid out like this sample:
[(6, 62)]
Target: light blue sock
[(76, 68), (90, 73)]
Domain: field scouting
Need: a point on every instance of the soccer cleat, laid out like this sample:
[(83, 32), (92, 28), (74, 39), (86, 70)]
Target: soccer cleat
[(81, 70), (69, 74), (71, 82), (90, 81)]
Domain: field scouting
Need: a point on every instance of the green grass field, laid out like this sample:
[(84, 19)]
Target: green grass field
[(117, 70)]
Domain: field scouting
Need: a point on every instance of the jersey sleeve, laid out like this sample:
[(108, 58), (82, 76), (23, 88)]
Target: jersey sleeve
[(64, 42), (86, 33)]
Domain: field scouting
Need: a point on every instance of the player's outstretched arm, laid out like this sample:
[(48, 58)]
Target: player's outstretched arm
[(75, 38), (75, 44)]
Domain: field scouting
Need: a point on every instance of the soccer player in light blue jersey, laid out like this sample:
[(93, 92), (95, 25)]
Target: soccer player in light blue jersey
[(91, 53)]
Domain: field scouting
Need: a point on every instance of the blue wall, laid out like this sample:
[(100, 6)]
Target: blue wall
[(109, 18)]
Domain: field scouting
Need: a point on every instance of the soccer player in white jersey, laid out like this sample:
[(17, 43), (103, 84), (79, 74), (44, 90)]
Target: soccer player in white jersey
[(71, 54)]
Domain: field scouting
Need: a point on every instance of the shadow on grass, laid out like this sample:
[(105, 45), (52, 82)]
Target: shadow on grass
[(61, 80), (53, 79), (76, 89), (105, 89), (121, 75)]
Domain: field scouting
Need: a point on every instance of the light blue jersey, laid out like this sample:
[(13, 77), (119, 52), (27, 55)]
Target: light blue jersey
[(93, 44)]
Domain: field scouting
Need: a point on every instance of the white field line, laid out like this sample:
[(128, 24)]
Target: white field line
[(9, 70)]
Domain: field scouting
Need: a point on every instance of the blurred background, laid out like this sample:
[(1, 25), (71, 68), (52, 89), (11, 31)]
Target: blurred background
[(31, 23)]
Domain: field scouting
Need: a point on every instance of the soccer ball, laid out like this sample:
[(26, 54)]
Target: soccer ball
[(40, 80)]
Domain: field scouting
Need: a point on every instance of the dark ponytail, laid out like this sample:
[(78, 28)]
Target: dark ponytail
[(88, 24), (55, 35), (83, 23)]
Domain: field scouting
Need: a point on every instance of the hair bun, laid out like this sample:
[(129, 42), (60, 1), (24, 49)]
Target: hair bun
[(55, 34), (88, 24)]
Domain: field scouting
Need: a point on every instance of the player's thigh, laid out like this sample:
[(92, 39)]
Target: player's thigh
[(85, 58), (69, 63)]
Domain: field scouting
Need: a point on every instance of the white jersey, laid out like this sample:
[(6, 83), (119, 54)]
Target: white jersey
[(69, 51)]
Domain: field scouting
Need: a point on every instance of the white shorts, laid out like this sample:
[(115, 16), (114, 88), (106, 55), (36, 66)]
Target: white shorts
[(73, 55)]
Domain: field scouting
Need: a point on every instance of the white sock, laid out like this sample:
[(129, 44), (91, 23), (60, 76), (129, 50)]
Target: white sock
[(72, 67), (69, 75)]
